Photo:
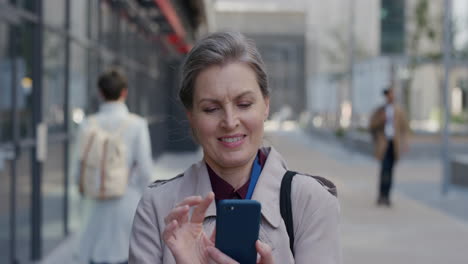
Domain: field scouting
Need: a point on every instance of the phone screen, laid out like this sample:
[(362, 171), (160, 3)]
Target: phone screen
[(237, 227)]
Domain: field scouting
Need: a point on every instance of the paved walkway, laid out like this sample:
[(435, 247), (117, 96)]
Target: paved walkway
[(421, 227), (414, 230)]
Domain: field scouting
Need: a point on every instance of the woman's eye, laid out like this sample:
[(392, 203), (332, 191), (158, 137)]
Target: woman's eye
[(244, 105), (210, 109)]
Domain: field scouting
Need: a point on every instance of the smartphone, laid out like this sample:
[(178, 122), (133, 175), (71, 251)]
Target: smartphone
[(237, 226)]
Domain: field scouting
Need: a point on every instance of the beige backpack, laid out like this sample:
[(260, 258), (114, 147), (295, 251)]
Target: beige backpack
[(103, 170)]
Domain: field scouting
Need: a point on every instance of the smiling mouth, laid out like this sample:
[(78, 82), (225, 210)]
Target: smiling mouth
[(231, 139)]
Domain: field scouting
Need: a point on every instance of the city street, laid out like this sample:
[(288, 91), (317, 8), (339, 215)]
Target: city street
[(420, 227)]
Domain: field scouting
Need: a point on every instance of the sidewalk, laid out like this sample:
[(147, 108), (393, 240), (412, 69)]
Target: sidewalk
[(421, 227)]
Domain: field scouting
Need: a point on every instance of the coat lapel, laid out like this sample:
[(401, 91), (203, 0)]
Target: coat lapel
[(266, 192), (268, 187), (198, 183)]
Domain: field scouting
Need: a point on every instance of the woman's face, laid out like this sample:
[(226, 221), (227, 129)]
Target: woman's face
[(228, 114)]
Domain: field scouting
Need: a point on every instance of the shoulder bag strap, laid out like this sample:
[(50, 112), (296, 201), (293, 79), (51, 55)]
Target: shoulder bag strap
[(286, 207)]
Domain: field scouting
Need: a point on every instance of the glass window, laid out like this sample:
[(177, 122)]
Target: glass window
[(93, 73), (54, 12), (53, 195), (22, 65), (124, 37), (78, 104), (53, 81), (79, 18), (23, 207), (5, 84), (26, 4), (4, 211), (93, 13), (78, 83), (109, 27), (25, 82)]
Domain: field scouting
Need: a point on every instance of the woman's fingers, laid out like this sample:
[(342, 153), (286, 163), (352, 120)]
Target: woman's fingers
[(190, 201), (199, 212), (179, 213), (213, 236), (264, 251), (219, 257), (168, 233)]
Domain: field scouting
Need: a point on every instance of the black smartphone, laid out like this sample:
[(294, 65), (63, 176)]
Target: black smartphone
[(237, 227)]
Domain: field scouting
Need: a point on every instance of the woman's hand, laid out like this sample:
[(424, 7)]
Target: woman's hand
[(189, 243), (265, 253), (263, 250), (185, 237)]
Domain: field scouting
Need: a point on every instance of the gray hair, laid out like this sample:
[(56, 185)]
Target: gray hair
[(220, 49)]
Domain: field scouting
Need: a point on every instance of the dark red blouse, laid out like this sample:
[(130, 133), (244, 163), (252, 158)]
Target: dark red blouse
[(224, 190)]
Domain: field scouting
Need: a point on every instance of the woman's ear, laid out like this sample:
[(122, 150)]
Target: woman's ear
[(267, 109)]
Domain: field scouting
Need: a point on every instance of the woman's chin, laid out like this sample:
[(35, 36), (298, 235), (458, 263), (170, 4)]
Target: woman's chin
[(232, 161)]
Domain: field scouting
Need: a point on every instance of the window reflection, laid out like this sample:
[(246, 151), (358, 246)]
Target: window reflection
[(53, 192), (24, 81), (78, 86), (5, 84), (78, 15), (53, 81), (54, 12)]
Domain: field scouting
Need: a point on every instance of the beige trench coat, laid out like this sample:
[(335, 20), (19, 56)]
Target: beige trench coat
[(377, 127), (315, 213)]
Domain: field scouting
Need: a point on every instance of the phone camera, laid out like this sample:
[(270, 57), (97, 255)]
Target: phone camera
[(232, 208)]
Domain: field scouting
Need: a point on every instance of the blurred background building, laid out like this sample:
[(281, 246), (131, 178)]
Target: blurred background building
[(51, 52), (328, 62), (313, 47), (278, 28)]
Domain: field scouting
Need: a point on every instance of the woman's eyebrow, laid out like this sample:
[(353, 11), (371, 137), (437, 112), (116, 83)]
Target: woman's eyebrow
[(212, 100), (244, 94)]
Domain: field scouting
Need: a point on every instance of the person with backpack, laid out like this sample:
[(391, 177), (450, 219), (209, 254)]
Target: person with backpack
[(225, 94), (115, 165)]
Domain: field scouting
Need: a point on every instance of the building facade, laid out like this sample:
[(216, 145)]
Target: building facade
[(51, 53)]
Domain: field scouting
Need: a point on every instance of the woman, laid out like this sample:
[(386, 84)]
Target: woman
[(225, 93)]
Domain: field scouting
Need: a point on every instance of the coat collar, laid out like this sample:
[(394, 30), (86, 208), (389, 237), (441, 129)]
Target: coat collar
[(114, 107), (266, 191)]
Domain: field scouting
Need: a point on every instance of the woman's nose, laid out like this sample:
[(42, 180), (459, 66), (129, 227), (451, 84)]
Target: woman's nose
[(230, 120)]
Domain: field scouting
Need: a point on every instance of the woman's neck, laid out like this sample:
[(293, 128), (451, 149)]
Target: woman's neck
[(235, 176)]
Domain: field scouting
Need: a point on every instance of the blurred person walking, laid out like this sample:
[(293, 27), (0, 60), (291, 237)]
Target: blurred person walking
[(115, 167), (389, 129)]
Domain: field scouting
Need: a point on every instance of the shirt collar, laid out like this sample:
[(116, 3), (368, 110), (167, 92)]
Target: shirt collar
[(223, 190), (114, 107), (266, 192)]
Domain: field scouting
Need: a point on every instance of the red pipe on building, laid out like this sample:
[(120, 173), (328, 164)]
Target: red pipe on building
[(168, 11)]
